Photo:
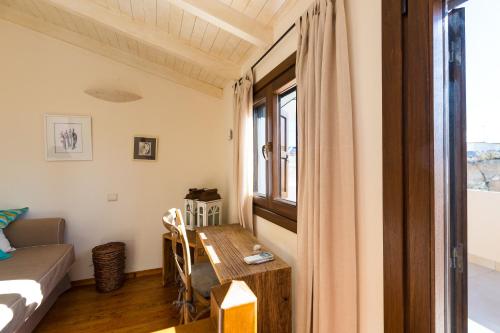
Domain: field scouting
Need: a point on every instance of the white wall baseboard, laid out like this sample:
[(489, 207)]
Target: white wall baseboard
[(484, 262)]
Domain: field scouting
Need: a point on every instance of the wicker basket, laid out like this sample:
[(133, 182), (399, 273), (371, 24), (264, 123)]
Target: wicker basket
[(109, 266)]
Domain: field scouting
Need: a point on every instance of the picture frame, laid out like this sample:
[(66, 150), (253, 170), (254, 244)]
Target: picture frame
[(145, 148), (68, 138)]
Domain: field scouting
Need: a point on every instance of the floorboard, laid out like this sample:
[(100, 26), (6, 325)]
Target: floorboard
[(141, 305)]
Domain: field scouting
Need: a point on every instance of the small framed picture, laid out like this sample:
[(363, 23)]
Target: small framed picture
[(68, 138), (145, 148)]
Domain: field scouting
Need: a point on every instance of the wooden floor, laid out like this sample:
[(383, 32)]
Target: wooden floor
[(142, 305)]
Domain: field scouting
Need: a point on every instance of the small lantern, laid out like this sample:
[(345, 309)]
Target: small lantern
[(191, 207), (209, 208)]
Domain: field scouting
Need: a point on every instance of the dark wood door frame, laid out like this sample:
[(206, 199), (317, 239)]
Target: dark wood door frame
[(414, 165)]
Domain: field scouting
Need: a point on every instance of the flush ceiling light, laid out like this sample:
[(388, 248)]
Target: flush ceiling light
[(113, 95)]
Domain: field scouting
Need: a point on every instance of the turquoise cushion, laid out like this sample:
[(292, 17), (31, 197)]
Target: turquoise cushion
[(4, 255), (9, 215)]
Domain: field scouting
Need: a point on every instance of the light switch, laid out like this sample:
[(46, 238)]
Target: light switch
[(112, 196)]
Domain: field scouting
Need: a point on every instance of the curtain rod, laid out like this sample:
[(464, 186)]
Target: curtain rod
[(271, 48)]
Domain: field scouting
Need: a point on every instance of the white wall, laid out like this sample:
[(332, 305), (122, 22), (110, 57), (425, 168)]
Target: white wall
[(41, 75), (483, 227), (364, 29)]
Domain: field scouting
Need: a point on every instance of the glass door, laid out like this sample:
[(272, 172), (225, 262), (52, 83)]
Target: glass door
[(473, 112), (457, 171)]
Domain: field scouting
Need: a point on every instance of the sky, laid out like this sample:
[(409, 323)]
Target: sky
[(482, 38)]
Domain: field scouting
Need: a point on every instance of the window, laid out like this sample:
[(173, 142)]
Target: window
[(260, 140), (481, 100), (287, 104), (275, 146)]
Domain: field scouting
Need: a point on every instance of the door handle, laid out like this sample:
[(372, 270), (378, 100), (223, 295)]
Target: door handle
[(266, 149)]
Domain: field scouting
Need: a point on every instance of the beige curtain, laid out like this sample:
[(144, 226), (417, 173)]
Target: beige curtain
[(326, 291), (243, 149)]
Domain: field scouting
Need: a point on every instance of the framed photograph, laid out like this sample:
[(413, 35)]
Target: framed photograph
[(68, 138), (145, 148)]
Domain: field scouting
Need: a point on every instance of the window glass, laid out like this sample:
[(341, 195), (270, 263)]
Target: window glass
[(260, 140), (287, 102), (482, 102)]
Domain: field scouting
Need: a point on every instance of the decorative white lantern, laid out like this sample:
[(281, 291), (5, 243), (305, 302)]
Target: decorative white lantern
[(191, 208), (209, 207), (209, 213), (190, 213)]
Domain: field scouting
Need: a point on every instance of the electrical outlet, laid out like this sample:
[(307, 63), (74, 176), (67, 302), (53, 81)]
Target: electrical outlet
[(112, 196)]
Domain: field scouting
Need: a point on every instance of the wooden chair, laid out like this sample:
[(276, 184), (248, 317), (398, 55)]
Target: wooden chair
[(197, 279), (233, 309)]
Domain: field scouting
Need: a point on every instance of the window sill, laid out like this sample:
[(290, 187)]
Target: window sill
[(272, 217)]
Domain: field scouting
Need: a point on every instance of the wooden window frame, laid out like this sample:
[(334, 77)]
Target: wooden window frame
[(414, 170), (271, 207)]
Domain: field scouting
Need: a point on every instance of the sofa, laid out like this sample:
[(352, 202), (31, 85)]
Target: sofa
[(36, 274)]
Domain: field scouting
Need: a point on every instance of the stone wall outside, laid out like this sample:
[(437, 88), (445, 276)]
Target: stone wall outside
[(483, 166)]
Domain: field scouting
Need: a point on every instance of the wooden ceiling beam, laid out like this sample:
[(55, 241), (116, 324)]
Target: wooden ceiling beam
[(110, 52), (149, 35), (228, 19)]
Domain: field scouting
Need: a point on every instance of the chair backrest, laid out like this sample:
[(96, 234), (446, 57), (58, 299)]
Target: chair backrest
[(174, 222)]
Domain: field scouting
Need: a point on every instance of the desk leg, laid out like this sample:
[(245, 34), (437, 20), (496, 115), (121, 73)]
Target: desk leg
[(168, 264)]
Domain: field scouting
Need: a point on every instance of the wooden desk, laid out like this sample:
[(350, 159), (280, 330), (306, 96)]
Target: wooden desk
[(169, 270), (226, 246)]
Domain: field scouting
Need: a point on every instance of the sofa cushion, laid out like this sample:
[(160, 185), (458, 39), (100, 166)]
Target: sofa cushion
[(203, 278), (4, 243), (35, 232), (29, 276), (4, 255), (9, 215)]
